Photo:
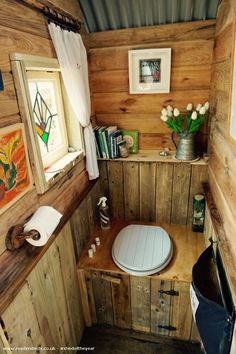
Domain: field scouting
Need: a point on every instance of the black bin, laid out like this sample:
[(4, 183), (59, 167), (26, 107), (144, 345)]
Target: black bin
[(214, 310)]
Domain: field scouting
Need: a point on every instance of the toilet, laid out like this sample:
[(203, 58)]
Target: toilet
[(142, 249)]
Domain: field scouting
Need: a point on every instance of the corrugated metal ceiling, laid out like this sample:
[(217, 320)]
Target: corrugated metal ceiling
[(104, 15)]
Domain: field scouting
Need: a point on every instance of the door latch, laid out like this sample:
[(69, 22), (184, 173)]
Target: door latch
[(169, 328), (169, 292)]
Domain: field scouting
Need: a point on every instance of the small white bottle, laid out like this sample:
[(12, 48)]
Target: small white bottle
[(104, 213)]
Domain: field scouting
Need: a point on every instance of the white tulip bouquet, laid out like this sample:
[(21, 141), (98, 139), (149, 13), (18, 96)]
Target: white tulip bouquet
[(187, 123)]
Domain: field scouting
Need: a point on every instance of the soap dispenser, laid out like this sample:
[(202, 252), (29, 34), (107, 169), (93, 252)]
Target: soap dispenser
[(104, 213)]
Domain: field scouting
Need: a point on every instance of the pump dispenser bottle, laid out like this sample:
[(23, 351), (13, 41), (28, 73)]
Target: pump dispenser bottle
[(104, 213)]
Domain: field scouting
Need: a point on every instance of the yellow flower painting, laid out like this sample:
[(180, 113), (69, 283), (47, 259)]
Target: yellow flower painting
[(14, 168)]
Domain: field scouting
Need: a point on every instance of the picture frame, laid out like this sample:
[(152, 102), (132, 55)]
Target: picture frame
[(149, 70), (15, 172), (232, 99)]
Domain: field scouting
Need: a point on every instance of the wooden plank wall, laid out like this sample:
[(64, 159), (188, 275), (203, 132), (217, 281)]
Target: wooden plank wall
[(26, 32), (152, 191), (47, 310), (192, 49), (222, 165)]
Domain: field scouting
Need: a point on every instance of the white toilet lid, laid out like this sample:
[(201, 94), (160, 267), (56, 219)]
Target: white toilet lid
[(142, 249)]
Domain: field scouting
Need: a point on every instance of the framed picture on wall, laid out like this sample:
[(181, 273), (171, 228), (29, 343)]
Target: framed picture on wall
[(15, 174), (232, 114), (149, 70)]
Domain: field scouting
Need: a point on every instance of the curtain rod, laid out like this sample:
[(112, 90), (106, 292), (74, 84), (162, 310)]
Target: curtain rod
[(58, 18)]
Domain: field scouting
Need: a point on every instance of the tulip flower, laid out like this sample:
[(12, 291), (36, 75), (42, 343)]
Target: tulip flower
[(164, 118), (176, 112), (194, 115), (164, 112), (202, 110), (206, 105), (189, 107), (198, 107), (169, 108)]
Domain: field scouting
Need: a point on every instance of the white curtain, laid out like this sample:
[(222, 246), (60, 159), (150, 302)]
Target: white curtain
[(72, 58)]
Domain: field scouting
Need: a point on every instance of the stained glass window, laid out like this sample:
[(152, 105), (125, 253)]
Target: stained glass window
[(48, 115)]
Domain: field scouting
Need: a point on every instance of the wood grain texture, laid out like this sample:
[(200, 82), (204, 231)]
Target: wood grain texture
[(131, 191), (102, 298), (9, 120), (140, 303), (181, 312), (180, 193), (65, 246), (222, 166), (22, 325), (183, 78), (147, 172), (8, 102), (103, 177), (84, 292), (116, 58), (177, 32), (164, 180), (160, 306), (115, 103), (121, 302), (116, 192)]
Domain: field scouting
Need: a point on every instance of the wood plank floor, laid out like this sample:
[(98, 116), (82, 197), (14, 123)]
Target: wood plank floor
[(116, 341)]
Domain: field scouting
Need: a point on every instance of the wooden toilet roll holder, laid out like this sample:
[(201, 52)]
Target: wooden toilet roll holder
[(16, 236)]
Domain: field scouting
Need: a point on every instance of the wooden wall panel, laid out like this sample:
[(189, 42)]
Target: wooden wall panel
[(140, 303), (180, 194), (116, 189), (121, 302), (131, 191), (160, 306), (173, 32), (47, 310), (26, 32), (147, 171), (108, 62), (164, 180), (222, 166)]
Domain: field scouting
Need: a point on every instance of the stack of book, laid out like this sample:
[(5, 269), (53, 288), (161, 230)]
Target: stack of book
[(108, 140)]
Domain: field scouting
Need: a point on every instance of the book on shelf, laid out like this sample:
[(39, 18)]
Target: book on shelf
[(131, 138), (107, 141)]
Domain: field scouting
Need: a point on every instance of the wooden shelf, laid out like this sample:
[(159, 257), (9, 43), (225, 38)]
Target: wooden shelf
[(154, 156), (188, 246)]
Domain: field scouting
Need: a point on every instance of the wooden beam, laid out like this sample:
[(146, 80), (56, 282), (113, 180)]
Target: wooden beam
[(186, 31)]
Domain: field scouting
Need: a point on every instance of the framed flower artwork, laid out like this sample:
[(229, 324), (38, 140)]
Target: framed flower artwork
[(15, 174), (149, 70)]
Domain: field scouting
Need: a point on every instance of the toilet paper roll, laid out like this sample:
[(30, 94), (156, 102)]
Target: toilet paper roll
[(44, 220)]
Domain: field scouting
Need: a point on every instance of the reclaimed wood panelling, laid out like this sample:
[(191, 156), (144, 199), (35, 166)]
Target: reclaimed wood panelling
[(8, 101), (180, 193), (160, 306), (23, 328), (175, 32), (108, 62), (131, 191), (140, 303), (147, 173), (102, 298), (121, 302), (181, 312), (103, 177), (222, 167), (153, 191), (164, 181), (47, 310), (116, 189)]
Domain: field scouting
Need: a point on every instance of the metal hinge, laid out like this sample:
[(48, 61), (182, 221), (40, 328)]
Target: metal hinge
[(169, 328), (169, 292)]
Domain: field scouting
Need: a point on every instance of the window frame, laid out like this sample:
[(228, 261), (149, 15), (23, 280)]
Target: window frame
[(21, 63)]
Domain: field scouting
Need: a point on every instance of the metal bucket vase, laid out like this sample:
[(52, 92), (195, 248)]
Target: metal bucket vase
[(186, 149)]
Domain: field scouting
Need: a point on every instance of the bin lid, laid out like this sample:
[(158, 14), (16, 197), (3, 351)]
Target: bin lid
[(142, 249)]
